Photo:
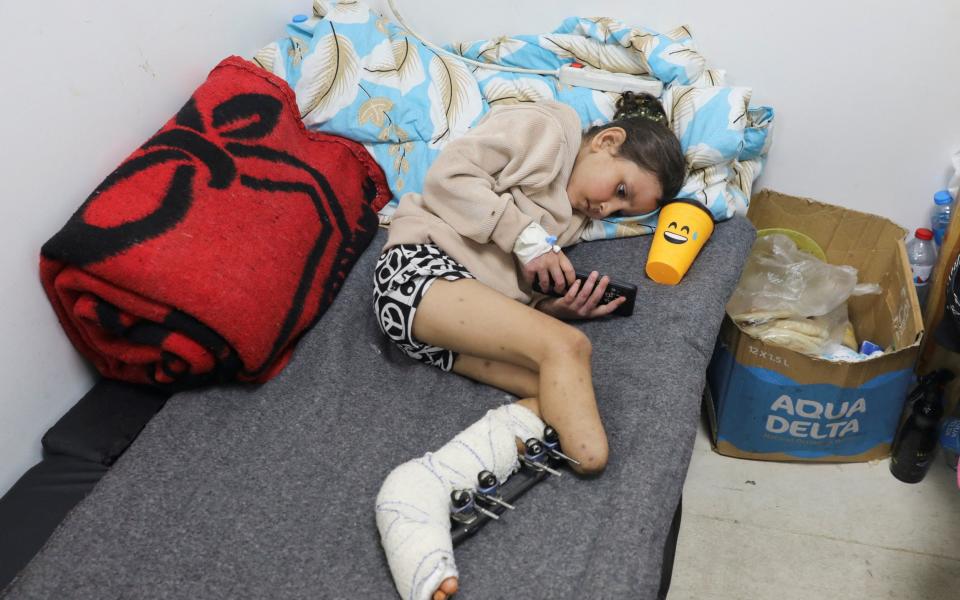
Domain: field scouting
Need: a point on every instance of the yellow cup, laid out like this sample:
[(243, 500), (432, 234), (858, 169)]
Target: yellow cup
[(683, 228)]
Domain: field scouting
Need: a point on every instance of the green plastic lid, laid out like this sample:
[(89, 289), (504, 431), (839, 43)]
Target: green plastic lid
[(803, 241)]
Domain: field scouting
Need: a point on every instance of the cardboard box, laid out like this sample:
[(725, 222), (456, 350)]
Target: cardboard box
[(771, 403)]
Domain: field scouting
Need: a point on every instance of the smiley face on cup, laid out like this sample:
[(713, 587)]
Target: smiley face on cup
[(683, 227), (676, 233)]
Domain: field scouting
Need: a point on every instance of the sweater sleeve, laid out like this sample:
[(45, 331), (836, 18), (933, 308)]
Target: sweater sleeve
[(467, 184)]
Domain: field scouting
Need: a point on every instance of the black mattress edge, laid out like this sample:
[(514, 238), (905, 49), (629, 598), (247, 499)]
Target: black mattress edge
[(36, 504), (77, 452)]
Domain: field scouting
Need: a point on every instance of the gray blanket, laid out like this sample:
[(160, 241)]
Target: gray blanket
[(267, 492)]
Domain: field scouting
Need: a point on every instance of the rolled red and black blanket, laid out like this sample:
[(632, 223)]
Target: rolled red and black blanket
[(206, 254)]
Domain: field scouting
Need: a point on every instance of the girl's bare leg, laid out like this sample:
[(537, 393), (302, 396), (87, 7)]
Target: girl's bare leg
[(473, 319), (516, 348), (519, 381)]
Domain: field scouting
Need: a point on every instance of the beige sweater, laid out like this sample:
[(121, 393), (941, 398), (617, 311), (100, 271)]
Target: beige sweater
[(486, 186)]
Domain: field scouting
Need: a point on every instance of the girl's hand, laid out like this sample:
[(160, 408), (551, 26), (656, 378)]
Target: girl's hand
[(582, 300), (551, 266)]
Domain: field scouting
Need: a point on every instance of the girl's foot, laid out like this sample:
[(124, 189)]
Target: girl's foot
[(447, 589), (413, 506)]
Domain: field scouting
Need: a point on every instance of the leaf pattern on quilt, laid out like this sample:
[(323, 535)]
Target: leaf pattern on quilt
[(399, 150), (629, 229), (342, 11), (394, 63), (498, 48), (605, 25), (680, 104), (402, 136), (267, 57), (715, 174), (702, 156), (680, 33), (374, 111), (590, 52), (643, 41), (710, 77), (397, 136), (461, 48), (328, 78), (761, 121), (320, 8), (739, 104), (400, 147), (481, 74), (694, 186), (298, 49), (400, 162), (454, 98), (381, 24), (684, 56), (514, 91), (745, 173)]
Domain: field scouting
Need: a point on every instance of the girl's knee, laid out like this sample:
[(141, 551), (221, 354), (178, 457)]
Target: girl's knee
[(592, 456), (569, 342)]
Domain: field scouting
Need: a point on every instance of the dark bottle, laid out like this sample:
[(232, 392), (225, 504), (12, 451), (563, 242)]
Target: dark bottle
[(915, 444)]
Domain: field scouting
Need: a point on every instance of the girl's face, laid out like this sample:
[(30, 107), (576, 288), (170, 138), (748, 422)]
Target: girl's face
[(602, 183)]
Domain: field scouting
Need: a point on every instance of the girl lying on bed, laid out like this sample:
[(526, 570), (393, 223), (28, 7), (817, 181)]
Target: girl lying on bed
[(453, 290)]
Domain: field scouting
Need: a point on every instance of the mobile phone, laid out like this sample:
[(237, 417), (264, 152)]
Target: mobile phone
[(615, 289)]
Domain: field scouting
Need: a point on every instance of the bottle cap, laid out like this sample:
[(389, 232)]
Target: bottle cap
[(942, 197), (950, 435), (299, 18), (923, 234)]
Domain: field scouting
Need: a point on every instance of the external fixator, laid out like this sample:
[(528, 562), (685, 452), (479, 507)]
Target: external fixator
[(464, 509), (551, 440), (488, 490), (535, 457)]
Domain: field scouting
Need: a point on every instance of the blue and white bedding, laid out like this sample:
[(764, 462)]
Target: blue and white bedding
[(362, 76)]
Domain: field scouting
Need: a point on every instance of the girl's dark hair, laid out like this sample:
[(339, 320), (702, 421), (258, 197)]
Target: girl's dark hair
[(650, 142)]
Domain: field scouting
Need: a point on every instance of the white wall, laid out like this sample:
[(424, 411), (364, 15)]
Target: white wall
[(867, 92), (85, 82), (867, 95)]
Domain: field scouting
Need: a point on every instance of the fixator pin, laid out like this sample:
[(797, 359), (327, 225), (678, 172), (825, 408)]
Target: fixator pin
[(552, 441), (535, 457)]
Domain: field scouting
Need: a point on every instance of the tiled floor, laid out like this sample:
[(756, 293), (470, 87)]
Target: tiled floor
[(756, 530)]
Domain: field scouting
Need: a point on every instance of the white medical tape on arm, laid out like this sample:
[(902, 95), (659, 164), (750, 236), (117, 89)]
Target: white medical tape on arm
[(534, 241)]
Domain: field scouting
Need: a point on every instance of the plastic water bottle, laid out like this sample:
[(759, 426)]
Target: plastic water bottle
[(950, 441), (940, 219), (923, 257)]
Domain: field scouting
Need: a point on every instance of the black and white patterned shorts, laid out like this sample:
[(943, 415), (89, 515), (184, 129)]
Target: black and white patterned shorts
[(403, 275)]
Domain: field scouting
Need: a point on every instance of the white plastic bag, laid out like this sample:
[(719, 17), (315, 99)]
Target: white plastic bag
[(793, 299)]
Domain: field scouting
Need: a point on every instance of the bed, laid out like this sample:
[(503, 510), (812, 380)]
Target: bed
[(267, 491)]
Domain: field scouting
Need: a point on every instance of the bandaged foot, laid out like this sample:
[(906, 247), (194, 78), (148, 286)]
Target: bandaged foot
[(413, 506)]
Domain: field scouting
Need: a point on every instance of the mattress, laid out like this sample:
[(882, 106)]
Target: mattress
[(267, 491)]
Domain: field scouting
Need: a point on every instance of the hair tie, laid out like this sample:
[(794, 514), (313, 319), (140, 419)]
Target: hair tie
[(640, 106)]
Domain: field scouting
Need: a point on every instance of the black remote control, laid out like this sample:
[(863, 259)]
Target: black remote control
[(615, 289)]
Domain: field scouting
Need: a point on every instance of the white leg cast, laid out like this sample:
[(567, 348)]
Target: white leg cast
[(413, 506)]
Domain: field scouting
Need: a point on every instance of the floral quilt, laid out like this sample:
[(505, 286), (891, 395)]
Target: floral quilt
[(362, 76)]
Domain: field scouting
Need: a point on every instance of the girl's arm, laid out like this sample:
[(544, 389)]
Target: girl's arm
[(513, 146)]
